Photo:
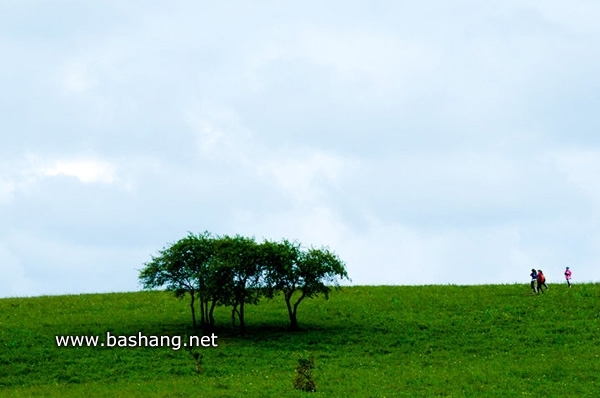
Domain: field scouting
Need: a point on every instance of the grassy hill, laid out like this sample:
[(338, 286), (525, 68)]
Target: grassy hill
[(367, 341)]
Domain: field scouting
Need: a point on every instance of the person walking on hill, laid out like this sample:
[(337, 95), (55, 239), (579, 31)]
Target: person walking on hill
[(541, 281), (568, 276), (533, 280)]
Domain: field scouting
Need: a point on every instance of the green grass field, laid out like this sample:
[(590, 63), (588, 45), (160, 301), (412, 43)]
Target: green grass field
[(367, 341)]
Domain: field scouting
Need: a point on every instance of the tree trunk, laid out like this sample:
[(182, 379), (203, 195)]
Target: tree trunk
[(294, 317), (211, 318), (233, 311), (202, 311), (294, 322), (193, 308), (288, 304), (241, 315)]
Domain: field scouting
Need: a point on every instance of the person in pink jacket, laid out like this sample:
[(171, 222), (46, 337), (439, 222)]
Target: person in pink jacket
[(568, 276)]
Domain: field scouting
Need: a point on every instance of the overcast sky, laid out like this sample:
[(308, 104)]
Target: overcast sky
[(427, 142)]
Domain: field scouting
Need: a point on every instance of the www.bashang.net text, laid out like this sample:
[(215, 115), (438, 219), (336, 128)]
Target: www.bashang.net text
[(137, 340)]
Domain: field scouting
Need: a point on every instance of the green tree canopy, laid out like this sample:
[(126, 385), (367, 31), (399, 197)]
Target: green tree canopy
[(181, 268), (236, 270), (290, 269)]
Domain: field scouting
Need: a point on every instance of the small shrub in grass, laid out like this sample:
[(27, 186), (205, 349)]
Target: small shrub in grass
[(197, 361), (304, 379)]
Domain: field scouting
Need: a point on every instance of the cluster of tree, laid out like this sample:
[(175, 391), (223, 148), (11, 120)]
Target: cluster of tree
[(235, 270)]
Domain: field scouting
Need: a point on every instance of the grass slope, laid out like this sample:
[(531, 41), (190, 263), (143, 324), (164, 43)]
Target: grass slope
[(383, 341)]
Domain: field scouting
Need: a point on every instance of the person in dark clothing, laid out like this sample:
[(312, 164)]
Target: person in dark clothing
[(533, 280)]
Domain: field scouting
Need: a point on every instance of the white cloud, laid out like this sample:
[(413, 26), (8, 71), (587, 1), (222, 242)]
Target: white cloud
[(78, 78), (415, 139), (15, 281), (385, 59), (387, 62), (382, 251), (85, 170), (21, 175), (581, 167), (6, 189), (62, 267), (302, 174), (299, 172), (219, 133), (580, 16)]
